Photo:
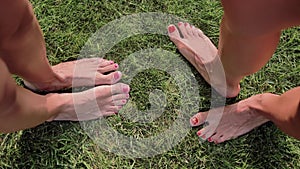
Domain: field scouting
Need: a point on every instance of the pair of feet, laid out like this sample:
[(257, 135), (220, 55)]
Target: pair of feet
[(237, 119), (109, 95)]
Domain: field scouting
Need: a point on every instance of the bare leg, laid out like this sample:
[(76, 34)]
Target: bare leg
[(250, 32), (247, 114), (201, 52), (21, 108), (22, 52), (247, 40), (249, 35), (245, 60), (22, 47)]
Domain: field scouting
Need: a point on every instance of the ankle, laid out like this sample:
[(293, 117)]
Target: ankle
[(233, 86), (46, 85), (233, 90), (233, 80)]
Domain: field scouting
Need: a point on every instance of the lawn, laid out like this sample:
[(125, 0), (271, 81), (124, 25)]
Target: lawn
[(67, 26)]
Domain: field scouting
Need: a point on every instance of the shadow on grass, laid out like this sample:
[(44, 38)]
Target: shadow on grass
[(52, 145), (269, 148), (264, 147)]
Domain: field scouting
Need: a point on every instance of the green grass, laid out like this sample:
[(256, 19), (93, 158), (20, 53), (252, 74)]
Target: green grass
[(68, 24)]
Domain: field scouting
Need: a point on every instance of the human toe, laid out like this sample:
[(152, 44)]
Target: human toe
[(188, 28), (120, 88), (110, 78), (109, 113), (120, 102), (120, 96), (104, 62), (108, 68), (173, 32), (198, 119), (202, 134), (182, 29)]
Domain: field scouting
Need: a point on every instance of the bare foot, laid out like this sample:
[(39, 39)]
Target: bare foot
[(104, 100), (237, 119), (84, 72), (203, 55)]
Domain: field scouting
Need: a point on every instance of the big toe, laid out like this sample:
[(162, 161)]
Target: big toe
[(120, 88), (173, 33), (198, 119)]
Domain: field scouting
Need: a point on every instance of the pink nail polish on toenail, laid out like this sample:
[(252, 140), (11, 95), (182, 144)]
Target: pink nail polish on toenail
[(125, 89), (116, 65), (209, 140), (180, 23), (111, 62), (171, 29), (116, 76), (185, 24), (198, 133)]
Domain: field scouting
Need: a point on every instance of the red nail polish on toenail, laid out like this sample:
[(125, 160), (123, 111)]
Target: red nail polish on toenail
[(195, 121), (180, 23), (209, 140), (116, 65), (185, 24), (198, 133), (171, 29), (111, 62)]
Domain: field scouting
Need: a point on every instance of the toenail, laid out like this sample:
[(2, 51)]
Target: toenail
[(209, 139), (180, 23), (116, 65), (185, 24), (111, 62), (127, 96), (171, 29), (124, 101), (125, 89), (116, 76), (195, 121), (199, 133)]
